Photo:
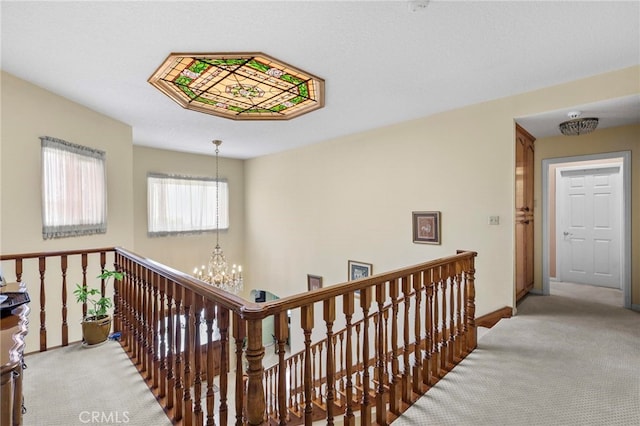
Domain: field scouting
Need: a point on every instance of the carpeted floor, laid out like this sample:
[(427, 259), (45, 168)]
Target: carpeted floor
[(79, 386), (572, 358)]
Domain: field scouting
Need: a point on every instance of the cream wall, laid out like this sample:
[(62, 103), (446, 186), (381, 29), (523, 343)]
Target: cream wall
[(626, 138), (311, 209), (187, 251), (308, 210), (29, 112)]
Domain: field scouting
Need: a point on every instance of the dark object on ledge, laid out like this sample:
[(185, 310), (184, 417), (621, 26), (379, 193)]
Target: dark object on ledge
[(14, 299)]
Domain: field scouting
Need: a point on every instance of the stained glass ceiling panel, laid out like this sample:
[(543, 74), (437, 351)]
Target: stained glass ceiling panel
[(239, 86)]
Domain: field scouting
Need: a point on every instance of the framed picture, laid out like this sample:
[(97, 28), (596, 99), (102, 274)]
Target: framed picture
[(314, 282), (426, 227), (357, 270)]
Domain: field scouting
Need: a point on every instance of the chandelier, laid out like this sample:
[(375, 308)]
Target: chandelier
[(216, 272), (578, 126)]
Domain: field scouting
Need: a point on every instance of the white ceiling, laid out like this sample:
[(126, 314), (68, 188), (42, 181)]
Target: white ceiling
[(382, 62)]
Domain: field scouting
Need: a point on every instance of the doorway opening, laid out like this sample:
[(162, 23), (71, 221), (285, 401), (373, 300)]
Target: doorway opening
[(573, 248)]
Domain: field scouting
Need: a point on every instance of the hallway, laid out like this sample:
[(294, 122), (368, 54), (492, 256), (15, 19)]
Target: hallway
[(572, 358)]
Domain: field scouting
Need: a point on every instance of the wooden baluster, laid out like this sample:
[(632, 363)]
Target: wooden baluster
[(365, 407), (223, 326), (452, 324), (127, 304), (171, 352), (472, 338), (103, 266), (417, 346), (197, 361), (150, 326), (83, 258), (394, 388), (329, 318), (121, 308), (117, 302), (437, 350), (319, 376), (336, 373), (381, 403), (239, 335), (162, 319), (291, 388), (444, 333), (341, 381), (144, 322), (65, 325), (406, 377), (458, 321), (268, 383), (376, 320), (428, 328), (209, 314), (348, 309), (186, 357), (307, 326), (155, 331), (179, 391), (385, 316), (43, 314), (139, 312), (282, 333), (255, 354), (358, 366), (296, 397), (19, 270), (134, 313), (314, 360)]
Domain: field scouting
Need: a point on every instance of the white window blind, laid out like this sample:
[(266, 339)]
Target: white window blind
[(185, 204), (74, 189)]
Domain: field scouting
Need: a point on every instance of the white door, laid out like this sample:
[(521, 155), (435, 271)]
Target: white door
[(589, 217)]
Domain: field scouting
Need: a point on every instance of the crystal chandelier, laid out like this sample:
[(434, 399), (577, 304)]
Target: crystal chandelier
[(216, 272), (578, 126)]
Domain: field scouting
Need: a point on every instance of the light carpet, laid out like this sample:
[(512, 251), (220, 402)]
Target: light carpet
[(572, 358), (79, 386)]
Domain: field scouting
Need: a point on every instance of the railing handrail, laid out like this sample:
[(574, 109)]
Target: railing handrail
[(222, 298), (251, 310), (265, 309), (418, 322), (55, 253)]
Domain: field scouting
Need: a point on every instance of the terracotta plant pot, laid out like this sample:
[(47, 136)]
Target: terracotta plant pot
[(95, 331)]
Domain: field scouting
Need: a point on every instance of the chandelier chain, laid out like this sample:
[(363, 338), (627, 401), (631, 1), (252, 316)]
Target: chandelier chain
[(217, 271)]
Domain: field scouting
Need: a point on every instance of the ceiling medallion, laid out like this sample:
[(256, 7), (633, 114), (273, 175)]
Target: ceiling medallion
[(239, 86)]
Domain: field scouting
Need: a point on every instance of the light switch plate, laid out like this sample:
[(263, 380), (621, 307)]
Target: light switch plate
[(494, 220)]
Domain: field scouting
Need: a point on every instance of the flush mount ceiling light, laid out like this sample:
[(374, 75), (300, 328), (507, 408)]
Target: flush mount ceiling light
[(578, 126), (239, 86)]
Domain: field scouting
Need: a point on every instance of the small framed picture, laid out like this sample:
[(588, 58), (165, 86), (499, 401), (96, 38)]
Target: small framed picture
[(426, 227), (314, 282), (357, 270)]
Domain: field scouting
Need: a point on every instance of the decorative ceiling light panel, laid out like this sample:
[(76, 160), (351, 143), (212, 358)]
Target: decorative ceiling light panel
[(240, 86)]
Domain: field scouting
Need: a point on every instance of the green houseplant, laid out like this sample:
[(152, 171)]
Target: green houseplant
[(96, 326)]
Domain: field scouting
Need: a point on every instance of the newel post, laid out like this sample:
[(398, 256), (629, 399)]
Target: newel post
[(255, 389)]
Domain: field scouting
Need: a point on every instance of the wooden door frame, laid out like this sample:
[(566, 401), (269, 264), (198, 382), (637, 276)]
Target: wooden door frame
[(626, 217)]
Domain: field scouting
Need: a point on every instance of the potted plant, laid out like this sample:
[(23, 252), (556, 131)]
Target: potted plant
[(97, 324)]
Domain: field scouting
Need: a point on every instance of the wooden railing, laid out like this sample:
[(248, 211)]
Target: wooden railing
[(201, 350)]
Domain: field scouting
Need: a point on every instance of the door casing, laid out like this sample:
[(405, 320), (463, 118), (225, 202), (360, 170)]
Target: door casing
[(626, 217), (613, 233)]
